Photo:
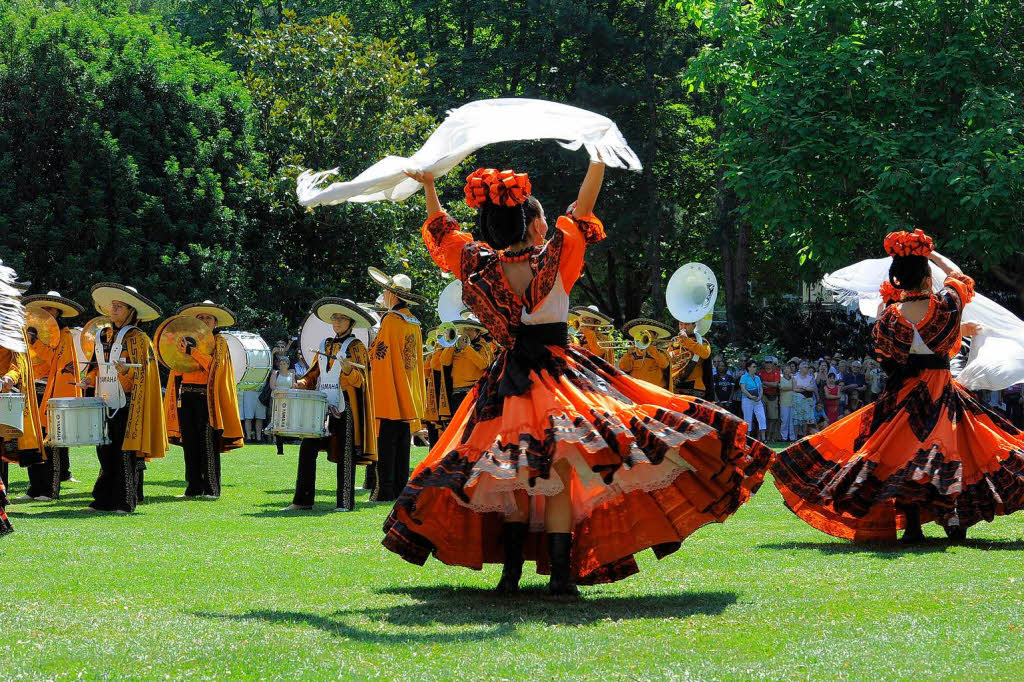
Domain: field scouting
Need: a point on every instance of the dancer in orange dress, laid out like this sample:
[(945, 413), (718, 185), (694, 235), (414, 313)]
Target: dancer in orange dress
[(926, 450), (556, 455)]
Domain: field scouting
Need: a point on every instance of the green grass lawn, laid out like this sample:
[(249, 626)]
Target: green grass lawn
[(210, 589)]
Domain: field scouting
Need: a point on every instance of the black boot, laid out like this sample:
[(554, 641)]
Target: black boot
[(560, 551), (912, 534), (512, 536), (955, 532)]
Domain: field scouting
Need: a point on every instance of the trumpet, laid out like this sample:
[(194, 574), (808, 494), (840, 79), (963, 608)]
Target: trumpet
[(431, 345), (617, 345), (644, 340), (575, 326)]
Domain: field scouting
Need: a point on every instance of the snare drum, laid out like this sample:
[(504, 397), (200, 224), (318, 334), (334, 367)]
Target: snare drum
[(299, 414), (12, 413), (251, 358), (76, 421)]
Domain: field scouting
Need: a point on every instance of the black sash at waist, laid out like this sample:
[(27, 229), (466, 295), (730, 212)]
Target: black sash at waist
[(530, 351), (921, 362)]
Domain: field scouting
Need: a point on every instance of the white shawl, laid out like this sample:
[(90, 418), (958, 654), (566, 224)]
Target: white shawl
[(465, 130), (12, 314), (996, 358)]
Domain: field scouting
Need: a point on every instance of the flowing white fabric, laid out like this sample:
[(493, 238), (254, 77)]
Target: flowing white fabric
[(996, 358), (465, 130)]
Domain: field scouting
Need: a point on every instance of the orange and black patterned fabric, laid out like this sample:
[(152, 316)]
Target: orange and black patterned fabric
[(647, 467), (927, 442)]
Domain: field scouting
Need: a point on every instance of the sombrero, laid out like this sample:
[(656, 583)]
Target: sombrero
[(658, 330), (104, 293), (225, 318), (331, 305), (593, 312), (400, 285), (470, 324), (53, 299)]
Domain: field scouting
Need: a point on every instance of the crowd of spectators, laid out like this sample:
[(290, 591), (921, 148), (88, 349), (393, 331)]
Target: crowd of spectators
[(785, 401)]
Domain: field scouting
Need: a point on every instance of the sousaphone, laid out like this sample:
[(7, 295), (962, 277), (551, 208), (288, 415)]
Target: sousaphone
[(450, 307), (194, 332), (690, 295)]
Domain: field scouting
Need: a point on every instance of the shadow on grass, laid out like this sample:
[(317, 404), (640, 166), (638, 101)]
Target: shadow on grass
[(270, 511), (895, 550), (481, 615)]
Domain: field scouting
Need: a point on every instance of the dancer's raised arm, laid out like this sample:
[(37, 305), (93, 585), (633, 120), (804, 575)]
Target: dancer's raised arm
[(947, 266), (589, 190), (426, 178)]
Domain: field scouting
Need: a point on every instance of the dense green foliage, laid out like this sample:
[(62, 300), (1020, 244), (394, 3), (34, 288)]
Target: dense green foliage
[(845, 119), (120, 157), (235, 589), (779, 140)]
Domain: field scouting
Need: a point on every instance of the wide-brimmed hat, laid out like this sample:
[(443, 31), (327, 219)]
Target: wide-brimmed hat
[(592, 311), (328, 306), (469, 324), (224, 317), (53, 299), (400, 285), (105, 293), (691, 292), (658, 330)]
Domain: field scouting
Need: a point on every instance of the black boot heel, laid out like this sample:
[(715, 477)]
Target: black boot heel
[(512, 537)]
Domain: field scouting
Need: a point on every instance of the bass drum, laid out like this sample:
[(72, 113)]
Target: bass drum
[(251, 358)]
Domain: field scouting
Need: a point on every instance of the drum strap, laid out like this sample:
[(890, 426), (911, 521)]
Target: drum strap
[(329, 382), (108, 386)]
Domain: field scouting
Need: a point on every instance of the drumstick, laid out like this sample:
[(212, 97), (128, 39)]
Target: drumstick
[(130, 365), (314, 351)]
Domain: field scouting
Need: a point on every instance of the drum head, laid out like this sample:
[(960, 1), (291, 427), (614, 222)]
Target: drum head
[(314, 330), (239, 359)]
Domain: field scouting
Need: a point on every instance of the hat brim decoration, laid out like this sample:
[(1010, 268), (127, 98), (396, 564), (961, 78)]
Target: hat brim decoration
[(584, 312), (224, 317), (105, 293), (329, 306), (658, 330), (388, 283), (66, 306)]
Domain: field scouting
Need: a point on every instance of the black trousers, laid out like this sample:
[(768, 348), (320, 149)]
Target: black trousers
[(370, 480), (201, 445), (65, 464), (309, 450), (393, 445), (117, 487), (5, 472), (433, 434), (44, 477)]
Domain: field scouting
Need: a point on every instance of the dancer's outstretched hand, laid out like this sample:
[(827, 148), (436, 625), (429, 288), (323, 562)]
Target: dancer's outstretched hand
[(971, 329), (422, 177)]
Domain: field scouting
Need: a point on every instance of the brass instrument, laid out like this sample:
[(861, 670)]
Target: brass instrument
[(617, 345), (447, 335), (575, 326), (183, 328), (644, 340)]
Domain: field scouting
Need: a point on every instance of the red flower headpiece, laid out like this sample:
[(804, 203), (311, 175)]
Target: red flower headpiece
[(889, 293), (902, 244), (501, 188)]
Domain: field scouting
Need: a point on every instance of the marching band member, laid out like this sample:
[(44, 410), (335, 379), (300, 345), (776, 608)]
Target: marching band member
[(60, 370), (648, 363), (437, 410), (555, 444), (351, 421), (396, 365), (468, 359), (692, 377), (592, 334), (127, 378), (201, 407), (15, 370), (16, 375)]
